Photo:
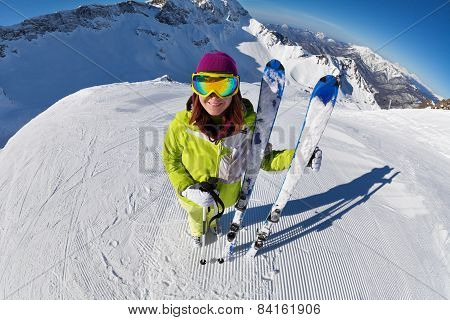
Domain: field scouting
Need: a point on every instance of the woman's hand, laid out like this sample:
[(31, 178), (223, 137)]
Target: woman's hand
[(202, 198), (316, 160)]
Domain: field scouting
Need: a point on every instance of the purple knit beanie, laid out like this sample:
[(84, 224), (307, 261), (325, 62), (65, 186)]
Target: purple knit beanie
[(216, 61)]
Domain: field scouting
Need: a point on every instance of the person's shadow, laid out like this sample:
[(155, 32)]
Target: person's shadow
[(343, 198)]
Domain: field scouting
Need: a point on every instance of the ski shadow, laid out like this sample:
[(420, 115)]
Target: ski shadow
[(342, 198)]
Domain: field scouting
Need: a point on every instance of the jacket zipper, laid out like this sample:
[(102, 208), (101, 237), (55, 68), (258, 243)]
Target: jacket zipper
[(218, 157)]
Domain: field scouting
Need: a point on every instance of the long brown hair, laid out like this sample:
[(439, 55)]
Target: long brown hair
[(232, 119)]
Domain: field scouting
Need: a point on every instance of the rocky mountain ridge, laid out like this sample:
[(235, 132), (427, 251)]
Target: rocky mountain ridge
[(391, 84)]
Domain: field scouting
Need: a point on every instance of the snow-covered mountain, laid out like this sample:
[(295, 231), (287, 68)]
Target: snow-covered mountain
[(46, 58), (87, 210), (390, 83), (303, 69)]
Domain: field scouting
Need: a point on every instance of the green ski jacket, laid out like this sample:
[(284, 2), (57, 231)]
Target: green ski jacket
[(190, 157)]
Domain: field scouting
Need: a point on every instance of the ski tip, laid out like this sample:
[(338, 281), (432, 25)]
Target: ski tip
[(330, 80), (221, 260), (326, 89), (203, 262), (251, 253), (275, 64)]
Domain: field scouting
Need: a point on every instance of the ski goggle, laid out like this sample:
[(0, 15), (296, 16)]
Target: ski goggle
[(222, 84)]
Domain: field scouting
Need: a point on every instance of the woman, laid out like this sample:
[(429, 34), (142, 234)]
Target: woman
[(210, 139)]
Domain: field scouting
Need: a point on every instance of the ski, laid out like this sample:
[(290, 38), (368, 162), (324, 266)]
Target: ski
[(271, 91), (320, 107)]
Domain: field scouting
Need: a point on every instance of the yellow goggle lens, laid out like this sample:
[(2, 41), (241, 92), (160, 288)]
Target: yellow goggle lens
[(223, 85)]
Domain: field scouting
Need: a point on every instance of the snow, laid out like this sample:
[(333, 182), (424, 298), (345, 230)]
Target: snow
[(87, 211), (320, 35)]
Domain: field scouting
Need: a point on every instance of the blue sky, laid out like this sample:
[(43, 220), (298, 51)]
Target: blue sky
[(424, 49)]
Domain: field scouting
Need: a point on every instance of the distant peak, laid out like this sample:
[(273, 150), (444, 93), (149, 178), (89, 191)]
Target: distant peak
[(320, 35), (177, 12), (164, 78), (156, 3)]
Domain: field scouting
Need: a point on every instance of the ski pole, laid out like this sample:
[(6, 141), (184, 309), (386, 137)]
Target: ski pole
[(202, 251)]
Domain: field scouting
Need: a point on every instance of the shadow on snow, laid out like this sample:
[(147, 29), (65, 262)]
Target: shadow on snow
[(342, 199)]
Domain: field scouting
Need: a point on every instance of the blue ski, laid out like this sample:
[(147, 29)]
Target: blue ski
[(321, 105)]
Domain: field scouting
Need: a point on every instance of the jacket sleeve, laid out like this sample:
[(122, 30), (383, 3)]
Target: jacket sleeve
[(172, 155), (277, 160)]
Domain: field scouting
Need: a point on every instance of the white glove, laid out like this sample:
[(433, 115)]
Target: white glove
[(202, 198), (316, 160)]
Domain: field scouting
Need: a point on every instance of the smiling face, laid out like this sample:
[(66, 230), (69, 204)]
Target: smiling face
[(215, 105)]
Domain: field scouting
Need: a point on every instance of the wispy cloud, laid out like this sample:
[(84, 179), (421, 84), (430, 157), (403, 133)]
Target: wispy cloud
[(300, 19), (320, 21)]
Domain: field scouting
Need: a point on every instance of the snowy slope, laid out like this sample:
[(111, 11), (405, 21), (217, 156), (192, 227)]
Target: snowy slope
[(87, 211)]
